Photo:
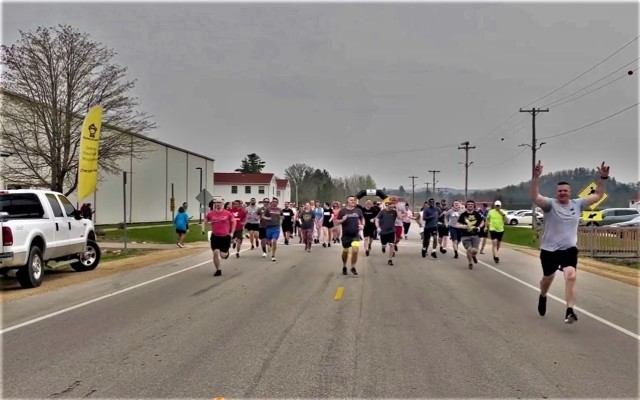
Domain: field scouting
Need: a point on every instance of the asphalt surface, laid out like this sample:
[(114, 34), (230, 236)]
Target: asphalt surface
[(422, 328)]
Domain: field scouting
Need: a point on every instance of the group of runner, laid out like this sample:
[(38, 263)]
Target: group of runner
[(351, 223), (348, 224)]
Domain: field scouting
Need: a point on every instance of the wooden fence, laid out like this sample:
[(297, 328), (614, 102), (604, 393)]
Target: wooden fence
[(607, 242)]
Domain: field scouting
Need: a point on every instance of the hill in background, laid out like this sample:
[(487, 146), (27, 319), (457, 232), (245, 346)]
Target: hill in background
[(517, 196)]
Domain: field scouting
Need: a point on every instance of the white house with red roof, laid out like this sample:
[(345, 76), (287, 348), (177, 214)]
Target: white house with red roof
[(283, 190), (244, 186)]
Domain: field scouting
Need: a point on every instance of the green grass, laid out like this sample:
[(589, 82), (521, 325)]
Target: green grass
[(519, 237), (160, 234)]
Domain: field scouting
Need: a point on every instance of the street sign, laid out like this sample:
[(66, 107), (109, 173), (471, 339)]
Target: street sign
[(590, 189), (591, 216), (207, 197), (172, 204)]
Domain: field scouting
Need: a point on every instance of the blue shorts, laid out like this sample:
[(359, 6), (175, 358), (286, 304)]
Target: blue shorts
[(273, 233), (454, 233)]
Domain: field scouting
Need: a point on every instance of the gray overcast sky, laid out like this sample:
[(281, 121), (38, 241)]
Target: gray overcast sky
[(316, 83)]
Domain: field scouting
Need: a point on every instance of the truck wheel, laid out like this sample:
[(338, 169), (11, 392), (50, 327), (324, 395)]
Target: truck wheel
[(90, 259), (32, 274)]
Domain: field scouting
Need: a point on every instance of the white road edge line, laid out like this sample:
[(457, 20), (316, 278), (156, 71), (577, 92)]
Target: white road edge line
[(583, 311), (106, 296)]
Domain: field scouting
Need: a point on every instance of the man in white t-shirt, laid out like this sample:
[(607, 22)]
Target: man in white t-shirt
[(558, 249)]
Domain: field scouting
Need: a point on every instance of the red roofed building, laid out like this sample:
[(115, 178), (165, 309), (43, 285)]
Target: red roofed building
[(240, 186), (283, 190)]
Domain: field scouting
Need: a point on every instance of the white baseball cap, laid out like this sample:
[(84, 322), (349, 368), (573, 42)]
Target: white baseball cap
[(497, 203)]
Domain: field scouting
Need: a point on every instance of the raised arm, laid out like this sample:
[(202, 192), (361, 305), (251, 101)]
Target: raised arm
[(534, 192), (602, 183)]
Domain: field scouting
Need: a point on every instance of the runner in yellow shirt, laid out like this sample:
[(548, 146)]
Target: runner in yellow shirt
[(496, 219)]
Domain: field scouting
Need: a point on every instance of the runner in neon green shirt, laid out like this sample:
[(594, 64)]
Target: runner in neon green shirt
[(496, 219)]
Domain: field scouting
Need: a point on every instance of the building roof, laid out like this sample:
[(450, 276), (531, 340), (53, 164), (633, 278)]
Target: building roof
[(282, 183), (238, 178)]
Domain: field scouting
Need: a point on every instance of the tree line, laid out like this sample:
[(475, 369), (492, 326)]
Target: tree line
[(309, 183)]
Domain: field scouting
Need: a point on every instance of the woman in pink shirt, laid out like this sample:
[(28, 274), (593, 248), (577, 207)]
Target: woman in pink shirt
[(223, 224)]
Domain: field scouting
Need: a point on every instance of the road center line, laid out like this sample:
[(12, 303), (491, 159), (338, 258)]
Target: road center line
[(339, 293)]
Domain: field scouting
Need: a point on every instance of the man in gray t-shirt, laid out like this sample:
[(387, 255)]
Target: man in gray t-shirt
[(385, 222), (558, 249), (352, 220)]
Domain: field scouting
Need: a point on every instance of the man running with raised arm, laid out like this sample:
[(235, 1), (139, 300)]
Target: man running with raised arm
[(352, 221), (223, 224), (558, 249)]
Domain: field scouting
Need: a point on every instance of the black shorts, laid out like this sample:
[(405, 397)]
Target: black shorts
[(287, 227), (221, 243), (328, 225), (369, 230), (350, 241), (443, 231), (181, 231), (496, 235), (262, 233), (238, 235), (482, 233), (430, 231), (251, 227), (387, 238), (557, 260)]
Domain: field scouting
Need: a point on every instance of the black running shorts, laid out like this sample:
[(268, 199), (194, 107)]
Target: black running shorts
[(496, 235), (387, 238), (557, 260), (221, 243)]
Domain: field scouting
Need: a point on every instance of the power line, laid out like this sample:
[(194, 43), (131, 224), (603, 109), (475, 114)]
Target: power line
[(592, 90), (505, 161), (499, 125), (591, 84), (584, 73), (592, 123)]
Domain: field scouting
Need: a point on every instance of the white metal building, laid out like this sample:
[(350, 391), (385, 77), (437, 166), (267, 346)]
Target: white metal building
[(240, 186), (164, 171)]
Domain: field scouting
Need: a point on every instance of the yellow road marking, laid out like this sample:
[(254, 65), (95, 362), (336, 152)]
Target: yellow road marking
[(339, 293)]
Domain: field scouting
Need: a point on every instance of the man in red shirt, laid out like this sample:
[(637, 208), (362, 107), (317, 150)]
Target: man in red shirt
[(223, 224), (240, 215)]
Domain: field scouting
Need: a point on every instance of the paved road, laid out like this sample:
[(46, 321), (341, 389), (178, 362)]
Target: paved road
[(423, 328)]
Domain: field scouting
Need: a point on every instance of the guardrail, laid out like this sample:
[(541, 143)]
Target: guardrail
[(609, 242)]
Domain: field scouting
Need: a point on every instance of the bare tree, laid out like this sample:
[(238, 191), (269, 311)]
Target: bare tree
[(51, 79), (296, 174)]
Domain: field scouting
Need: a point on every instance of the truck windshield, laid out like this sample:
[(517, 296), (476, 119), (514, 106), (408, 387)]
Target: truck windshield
[(21, 205)]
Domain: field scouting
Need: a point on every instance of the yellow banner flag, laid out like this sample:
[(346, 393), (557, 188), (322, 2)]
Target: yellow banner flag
[(88, 156)]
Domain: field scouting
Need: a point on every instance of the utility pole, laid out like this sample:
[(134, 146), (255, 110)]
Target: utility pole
[(466, 148), (426, 193), (413, 192), (433, 188), (534, 147)]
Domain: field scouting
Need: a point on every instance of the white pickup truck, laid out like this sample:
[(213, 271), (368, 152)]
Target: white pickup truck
[(40, 226)]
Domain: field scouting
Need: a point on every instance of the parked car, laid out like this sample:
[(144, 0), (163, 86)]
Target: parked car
[(40, 226), (630, 223), (523, 218), (613, 216)]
